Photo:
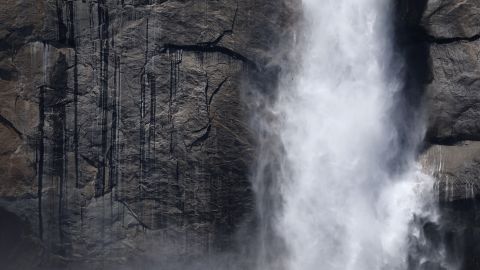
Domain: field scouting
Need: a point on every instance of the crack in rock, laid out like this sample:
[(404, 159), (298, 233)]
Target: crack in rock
[(4, 121)]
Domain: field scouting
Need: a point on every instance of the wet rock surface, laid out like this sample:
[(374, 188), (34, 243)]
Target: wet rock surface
[(450, 19), (456, 168), (124, 135), (445, 34), (453, 96)]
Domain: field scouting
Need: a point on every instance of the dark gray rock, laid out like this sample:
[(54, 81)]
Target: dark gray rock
[(123, 128), (451, 19), (456, 168), (447, 33), (453, 96)]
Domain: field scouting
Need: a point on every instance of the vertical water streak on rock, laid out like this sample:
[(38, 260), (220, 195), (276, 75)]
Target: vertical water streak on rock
[(153, 109), (56, 104), (119, 116), (71, 24), (152, 136), (175, 61), (103, 34), (61, 27), (142, 129), (63, 192), (75, 120), (41, 139), (170, 102), (142, 152), (72, 43), (179, 59), (113, 139), (40, 156), (113, 132)]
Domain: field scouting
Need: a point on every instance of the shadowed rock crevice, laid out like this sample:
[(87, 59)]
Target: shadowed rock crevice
[(5, 122), (208, 48), (440, 40)]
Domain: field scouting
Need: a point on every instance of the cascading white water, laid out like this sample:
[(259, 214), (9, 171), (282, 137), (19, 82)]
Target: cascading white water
[(342, 208)]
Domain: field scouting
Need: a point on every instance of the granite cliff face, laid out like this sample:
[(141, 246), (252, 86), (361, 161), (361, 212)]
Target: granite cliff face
[(124, 127), (124, 135), (443, 45), (449, 34)]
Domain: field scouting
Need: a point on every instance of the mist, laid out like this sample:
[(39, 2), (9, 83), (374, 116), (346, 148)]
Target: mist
[(348, 191)]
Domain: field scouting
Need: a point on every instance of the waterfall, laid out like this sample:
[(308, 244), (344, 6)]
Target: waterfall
[(343, 203)]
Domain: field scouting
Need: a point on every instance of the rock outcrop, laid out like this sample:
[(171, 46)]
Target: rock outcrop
[(124, 139), (445, 36), (452, 95), (123, 126)]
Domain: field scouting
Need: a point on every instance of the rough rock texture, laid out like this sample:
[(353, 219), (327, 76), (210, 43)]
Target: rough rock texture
[(455, 91), (453, 97), (452, 93), (450, 19), (445, 34), (123, 130), (457, 168)]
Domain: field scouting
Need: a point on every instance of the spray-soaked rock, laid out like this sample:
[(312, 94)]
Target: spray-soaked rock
[(453, 97), (451, 19), (448, 33), (123, 131)]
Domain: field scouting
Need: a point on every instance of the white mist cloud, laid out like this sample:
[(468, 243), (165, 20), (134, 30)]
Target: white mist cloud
[(342, 207)]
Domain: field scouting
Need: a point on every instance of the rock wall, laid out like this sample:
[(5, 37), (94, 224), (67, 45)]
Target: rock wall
[(444, 39), (124, 137)]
